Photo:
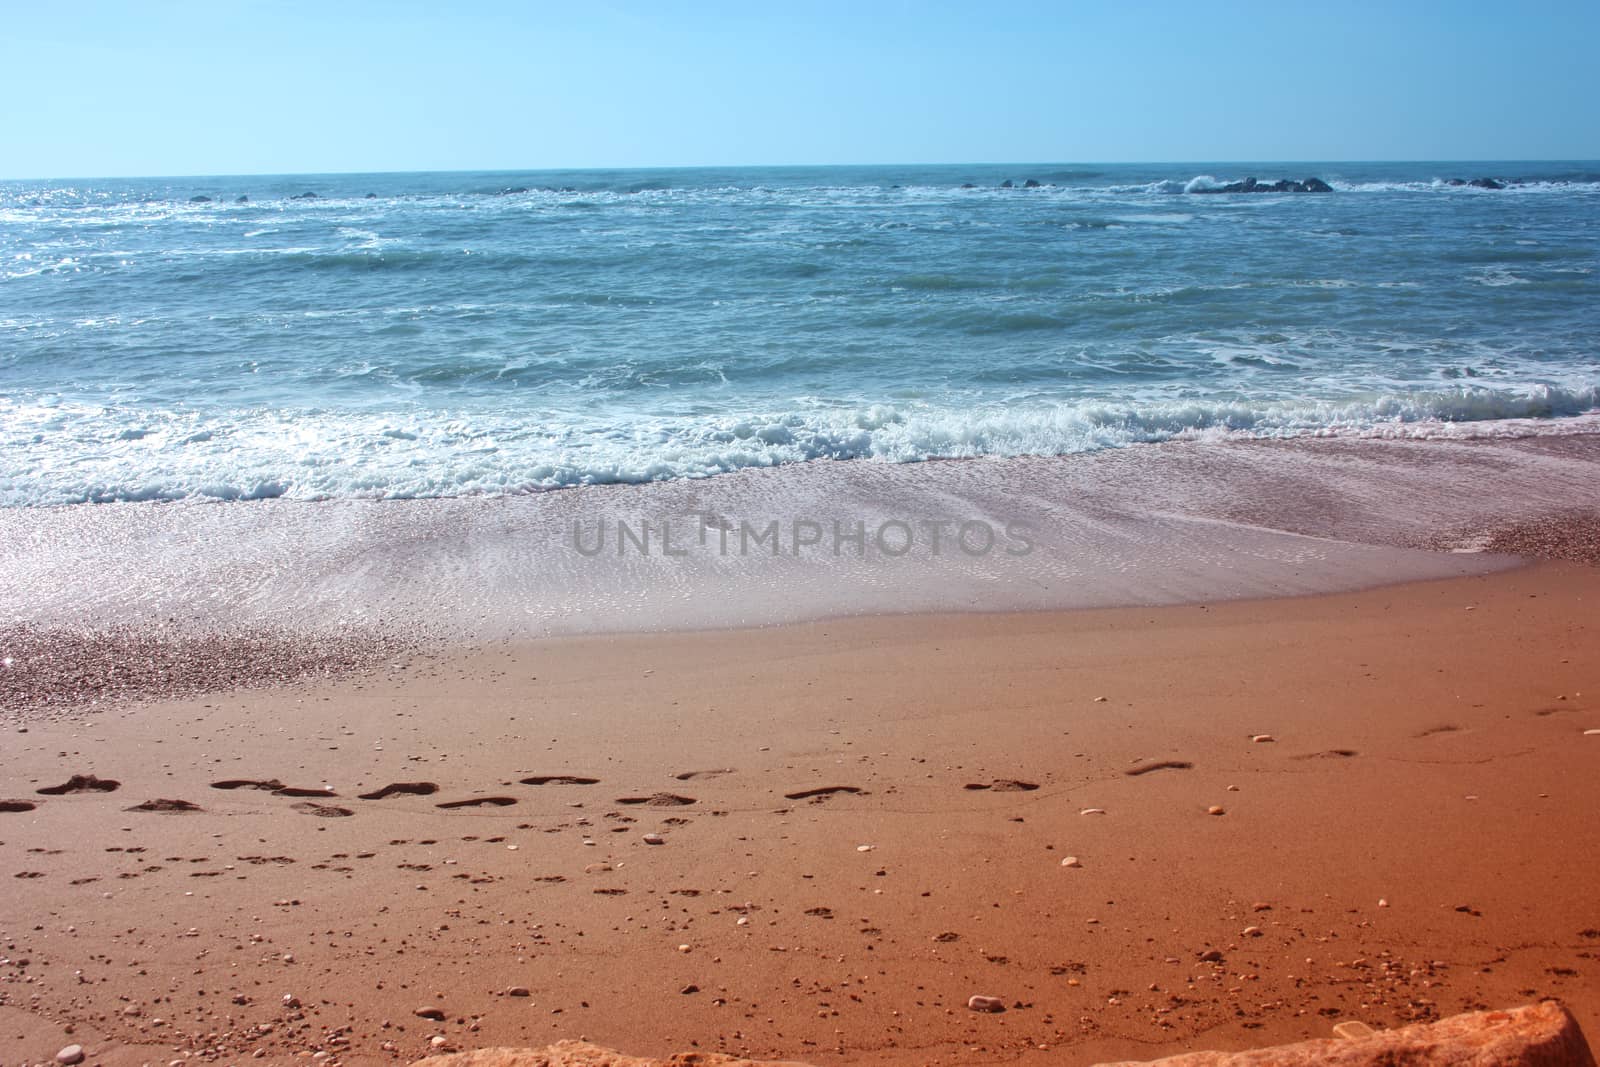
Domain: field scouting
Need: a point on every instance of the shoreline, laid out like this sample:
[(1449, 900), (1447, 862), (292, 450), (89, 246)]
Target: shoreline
[(1428, 752)]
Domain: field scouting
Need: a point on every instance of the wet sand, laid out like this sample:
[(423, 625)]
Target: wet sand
[(863, 822)]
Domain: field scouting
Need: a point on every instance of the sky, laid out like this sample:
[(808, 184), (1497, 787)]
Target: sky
[(97, 89)]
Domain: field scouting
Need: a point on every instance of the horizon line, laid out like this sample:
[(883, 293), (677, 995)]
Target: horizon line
[(773, 166)]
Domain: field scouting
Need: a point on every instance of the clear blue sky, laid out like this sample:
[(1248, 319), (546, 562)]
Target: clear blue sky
[(222, 87)]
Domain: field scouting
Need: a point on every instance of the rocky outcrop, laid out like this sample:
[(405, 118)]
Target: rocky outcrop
[(1539, 1035), (583, 1054), (1282, 185)]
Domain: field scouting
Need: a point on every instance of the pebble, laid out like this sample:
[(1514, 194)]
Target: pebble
[(429, 1011), (1262, 739), (1211, 955), (438, 1041), (1591, 733), (1251, 931), (1382, 903), (70, 1054), (654, 839), (864, 848), (518, 991), (988, 1004), (1092, 811), (1071, 861), (1215, 809)]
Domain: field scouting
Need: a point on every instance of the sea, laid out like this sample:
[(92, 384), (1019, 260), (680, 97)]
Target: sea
[(440, 335)]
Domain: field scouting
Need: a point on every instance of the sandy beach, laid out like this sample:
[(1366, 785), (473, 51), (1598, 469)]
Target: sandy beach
[(1145, 829)]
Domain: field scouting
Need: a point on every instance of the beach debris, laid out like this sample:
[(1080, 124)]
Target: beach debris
[(1216, 809), (654, 839), (1004, 785), (823, 791), (1262, 739), (1092, 811), (429, 1011), (81, 783), (659, 800), (167, 807), (992, 1005), (71, 1054), (1159, 765), (420, 789), (1071, 861)]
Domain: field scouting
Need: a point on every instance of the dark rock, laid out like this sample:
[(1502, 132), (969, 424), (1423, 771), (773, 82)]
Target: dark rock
[(1317, 185), (1282, 185), (968, 185), (242, 200), (308, 195), (1487, 183), (199, 200), (372, 196), (514, 191), (1007, 184), (1030, 184)]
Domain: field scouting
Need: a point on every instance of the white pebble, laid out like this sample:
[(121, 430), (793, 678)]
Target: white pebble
[(1092, 811), (72, 1053), (1071, 861)]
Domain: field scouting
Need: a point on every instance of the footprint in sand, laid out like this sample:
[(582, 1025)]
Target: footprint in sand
[(1332, 753), (1159, 765), (689, 776), (478, 802), (166, 807), (1004, 785), (824, 791), (1432, 731), (323, 811), (273, 786), (659, 800), (560, 779), (81, 783), (17, 805), (418, 789)]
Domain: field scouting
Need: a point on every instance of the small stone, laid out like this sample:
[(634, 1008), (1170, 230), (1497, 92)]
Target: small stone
[(1215, 809), (683, 948), (1261, 905), (70, 1054), (1071, 861), (992, 1005), (1092, 811), (429, 1011), (1382, 903), (1251, 931), (688, 989), (1591, 733), (864, 848), (438, 1041), (1262, 739), (654, 839), (290, 1000), (518, 991)]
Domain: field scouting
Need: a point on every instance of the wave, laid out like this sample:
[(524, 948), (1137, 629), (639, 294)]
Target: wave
[(106, 455)]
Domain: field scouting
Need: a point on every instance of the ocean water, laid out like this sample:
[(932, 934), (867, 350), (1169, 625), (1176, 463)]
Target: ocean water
[(441, 335)]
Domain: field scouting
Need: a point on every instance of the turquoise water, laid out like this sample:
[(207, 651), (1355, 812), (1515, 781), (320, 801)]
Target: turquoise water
[(489, 333)]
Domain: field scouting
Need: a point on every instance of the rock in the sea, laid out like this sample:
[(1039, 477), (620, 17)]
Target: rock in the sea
[(1487, 183), (1538, 1035), (308, 195), (988, 1004), (199, 200), (1030, 184), (1008, 184), (583, 1054), (70, 1054), (1282, 185)]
